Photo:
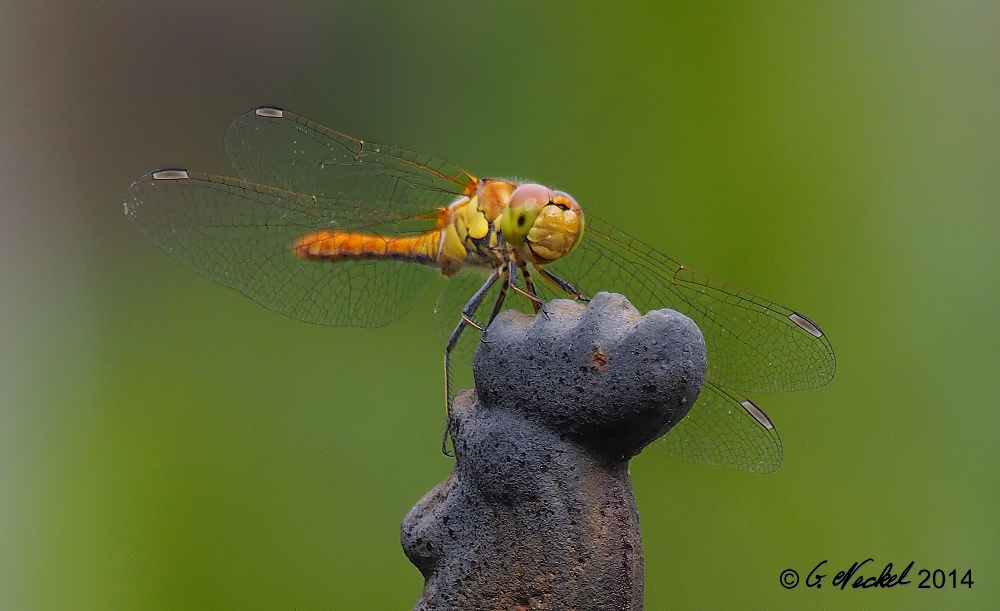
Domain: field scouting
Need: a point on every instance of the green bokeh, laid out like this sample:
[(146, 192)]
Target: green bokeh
[(167, 444)]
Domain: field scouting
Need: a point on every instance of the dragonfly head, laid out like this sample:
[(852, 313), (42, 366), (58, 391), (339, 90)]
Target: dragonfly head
[(541, 224)]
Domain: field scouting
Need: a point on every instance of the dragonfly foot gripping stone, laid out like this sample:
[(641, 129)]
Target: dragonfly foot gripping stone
[(538, 512)]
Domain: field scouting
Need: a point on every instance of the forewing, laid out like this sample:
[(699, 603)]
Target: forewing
[(279, 148), (721, 430), (239, 234), (754, 345)]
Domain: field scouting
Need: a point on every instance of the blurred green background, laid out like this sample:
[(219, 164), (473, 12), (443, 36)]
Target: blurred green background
[(165, 443)]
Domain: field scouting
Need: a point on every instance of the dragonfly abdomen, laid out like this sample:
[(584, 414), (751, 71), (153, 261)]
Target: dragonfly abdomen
[(332, 245)]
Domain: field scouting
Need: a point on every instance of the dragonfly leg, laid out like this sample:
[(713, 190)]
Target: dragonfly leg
[(467, 312), (471, 323), (507, 283), (531, 294), (562, 284)]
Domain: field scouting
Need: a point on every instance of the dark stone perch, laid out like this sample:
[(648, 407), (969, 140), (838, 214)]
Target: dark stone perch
[(538, 512)]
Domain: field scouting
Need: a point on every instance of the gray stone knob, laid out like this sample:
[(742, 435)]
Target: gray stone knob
[(538, 512)]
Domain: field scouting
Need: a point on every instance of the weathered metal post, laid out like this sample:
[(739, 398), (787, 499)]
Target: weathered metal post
[(538, 512)]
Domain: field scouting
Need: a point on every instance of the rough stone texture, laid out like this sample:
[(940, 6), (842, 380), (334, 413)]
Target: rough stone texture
[(538, 512)]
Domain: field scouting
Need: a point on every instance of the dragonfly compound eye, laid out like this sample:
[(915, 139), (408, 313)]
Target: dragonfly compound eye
[(525, 203), (554, 233)]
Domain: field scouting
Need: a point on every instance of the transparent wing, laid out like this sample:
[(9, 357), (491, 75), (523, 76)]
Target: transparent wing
[(279, 148), (754, 345), (720, 431), (239, 234)]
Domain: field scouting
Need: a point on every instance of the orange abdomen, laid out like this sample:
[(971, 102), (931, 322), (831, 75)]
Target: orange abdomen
[(332, 245)]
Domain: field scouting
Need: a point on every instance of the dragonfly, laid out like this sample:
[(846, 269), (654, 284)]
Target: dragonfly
[(333, 230)]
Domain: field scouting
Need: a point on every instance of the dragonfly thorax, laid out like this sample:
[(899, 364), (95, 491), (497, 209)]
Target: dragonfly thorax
[(470, 234)]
